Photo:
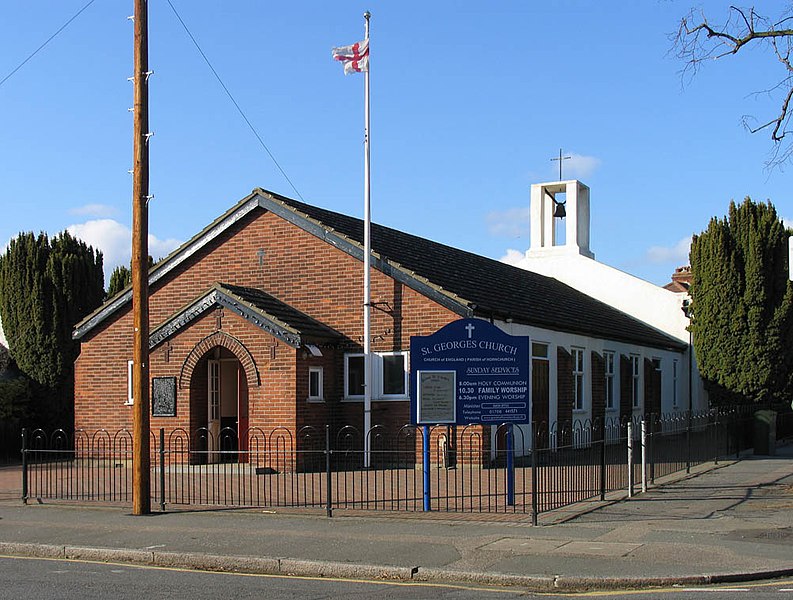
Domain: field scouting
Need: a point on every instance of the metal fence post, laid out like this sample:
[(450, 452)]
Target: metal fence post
[(603, 462), (510, 467), (329, 486), (654, 424), (25, 465), (630, 458), (716, 440), (425, 443), (162, 469), (737, 433), (534, 499), (644, 455), (688, 442)]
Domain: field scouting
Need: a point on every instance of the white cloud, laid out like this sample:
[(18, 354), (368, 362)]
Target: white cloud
[(788, 223), (513, 257), (115, 241), (94, 210), (512, 223), (664, 254), (579, 166)]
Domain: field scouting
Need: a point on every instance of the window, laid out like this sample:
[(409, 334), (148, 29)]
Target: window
[(354, 376), (394, 373), (635, 388), (130, 398), (578, 378), (315, 384), (674, 383), (389, 374), (608, 358), (539, 350)]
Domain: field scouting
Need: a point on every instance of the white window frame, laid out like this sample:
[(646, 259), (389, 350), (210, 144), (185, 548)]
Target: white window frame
[(579, 379), (608, 369), (636, 387), (675, 398), (320, 397), (546, 355), (347, 395), (130, 397), (377, 376), (378, 368)]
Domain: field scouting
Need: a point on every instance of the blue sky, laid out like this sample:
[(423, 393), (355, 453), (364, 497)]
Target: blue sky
[(470, 101)]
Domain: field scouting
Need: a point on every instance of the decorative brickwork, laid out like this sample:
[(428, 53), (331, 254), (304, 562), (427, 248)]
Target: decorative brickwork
[(299, 269), (223, 340)]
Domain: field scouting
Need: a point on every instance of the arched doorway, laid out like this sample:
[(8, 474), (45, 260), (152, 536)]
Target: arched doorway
[(219, 406)]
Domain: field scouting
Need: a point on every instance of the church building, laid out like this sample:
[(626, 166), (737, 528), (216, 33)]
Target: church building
[(256, 322), (561, 249)]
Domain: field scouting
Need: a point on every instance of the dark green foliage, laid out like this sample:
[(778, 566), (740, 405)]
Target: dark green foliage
[(16, 399), (120, 278), (46, 287), (743, 306)]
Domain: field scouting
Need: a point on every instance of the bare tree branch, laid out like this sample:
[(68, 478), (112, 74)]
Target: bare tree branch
[(698, 41)]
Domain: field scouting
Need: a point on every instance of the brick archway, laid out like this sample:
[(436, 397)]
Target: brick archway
[(219, 338)]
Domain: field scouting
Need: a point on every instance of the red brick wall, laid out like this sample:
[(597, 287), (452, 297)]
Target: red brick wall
[(299, 269)]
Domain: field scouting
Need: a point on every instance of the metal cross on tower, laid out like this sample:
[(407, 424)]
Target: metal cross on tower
[(560, 159)]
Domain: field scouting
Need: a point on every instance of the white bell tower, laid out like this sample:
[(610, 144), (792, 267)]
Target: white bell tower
[(546, 200)]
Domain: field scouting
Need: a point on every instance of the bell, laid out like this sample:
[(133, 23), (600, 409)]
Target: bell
[(558, 210)]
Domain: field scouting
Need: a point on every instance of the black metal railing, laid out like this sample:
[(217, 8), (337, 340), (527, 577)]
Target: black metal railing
[(528, 470)]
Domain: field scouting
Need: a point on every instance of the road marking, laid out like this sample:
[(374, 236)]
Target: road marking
[(423, 584), (717, 589)]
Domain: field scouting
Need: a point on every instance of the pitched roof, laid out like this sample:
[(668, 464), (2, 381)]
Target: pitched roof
[(490, 288), (258, 307), (466, 283)]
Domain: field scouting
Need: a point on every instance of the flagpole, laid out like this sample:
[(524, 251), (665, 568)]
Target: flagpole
[(367, 252)]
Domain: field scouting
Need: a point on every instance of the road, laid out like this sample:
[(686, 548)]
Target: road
[(49, 578)]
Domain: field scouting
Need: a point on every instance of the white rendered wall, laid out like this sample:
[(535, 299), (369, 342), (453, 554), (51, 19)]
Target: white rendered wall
[(556, 339), (640, 299), (573, 263)]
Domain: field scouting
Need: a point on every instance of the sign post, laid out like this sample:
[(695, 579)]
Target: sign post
[(469, 372)]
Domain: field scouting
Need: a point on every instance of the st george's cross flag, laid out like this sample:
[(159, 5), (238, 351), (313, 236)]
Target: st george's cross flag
[(355, 58)]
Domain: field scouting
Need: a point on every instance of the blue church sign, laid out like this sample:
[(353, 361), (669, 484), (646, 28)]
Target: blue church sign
[(469, 372)]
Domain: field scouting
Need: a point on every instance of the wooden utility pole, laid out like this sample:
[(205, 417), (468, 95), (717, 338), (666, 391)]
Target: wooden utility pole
[(141, 460)]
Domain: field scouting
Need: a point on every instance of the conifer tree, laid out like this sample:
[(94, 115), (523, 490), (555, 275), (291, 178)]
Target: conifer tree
[(742, 305), (46, 287), (120, 278)]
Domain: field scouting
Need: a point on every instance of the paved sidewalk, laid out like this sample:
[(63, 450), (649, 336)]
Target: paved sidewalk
[(731, 523)]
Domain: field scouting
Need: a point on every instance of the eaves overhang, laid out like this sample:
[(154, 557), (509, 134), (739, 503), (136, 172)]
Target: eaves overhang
[(220, 296), (169, 263)]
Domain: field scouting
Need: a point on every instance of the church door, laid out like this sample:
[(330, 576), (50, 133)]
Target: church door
[(540, 393), (213, 409)]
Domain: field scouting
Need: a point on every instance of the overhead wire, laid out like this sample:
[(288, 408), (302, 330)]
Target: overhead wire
[(52, 37), (231, 97)]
